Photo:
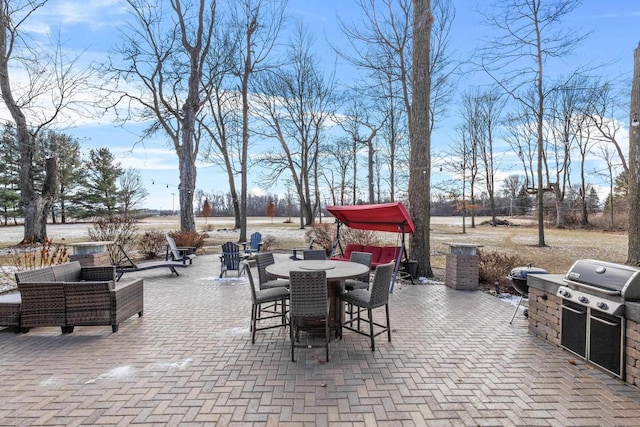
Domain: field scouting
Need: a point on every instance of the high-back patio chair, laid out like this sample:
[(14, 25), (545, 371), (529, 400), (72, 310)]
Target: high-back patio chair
[(362, 281), (266, 296), (314, 254), (263, 260), (308, 308), (366, 301)]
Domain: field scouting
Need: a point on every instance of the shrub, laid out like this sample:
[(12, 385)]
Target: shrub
[(603, 221), (34, 255), (362, 237), (152, 243), (120, 229), (188, 238), (494, 268), (269, 243), (29, 257), (324, 233)]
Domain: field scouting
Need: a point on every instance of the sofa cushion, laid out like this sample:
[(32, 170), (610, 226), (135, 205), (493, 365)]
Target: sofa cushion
[(38, 275), (388, 254), (374, 251), (70, 272), (351, 247)]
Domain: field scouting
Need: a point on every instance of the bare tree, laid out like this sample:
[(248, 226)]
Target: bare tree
[(603, 103), (50, 94), (259, 23), (164, 57), (294, 106), (337, 160), (605, 153), (131, 192), (362, 123), (380, 44), (420, 136), (633, 249), (483, 110), (472, 135), (527, 30)]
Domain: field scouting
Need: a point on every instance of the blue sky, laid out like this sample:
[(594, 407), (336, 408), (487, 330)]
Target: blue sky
[(93, 26)]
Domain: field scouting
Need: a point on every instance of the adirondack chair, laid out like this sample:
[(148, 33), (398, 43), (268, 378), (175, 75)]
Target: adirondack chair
[(254, 243), (230, 258)]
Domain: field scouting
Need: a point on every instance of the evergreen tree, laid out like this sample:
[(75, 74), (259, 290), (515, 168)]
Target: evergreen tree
[(9, 180), (593, 201), (100, 193), (70, 171), (523, 202)]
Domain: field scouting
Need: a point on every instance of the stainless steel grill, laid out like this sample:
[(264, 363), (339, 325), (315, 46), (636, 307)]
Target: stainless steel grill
[(592, 319), (601, 285)]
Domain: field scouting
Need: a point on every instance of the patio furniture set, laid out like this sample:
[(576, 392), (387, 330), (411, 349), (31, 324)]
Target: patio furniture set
[(68, 295), (308, 295)]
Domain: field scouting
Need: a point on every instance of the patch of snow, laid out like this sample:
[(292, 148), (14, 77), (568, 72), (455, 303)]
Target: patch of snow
[(51, 382), (180, 364), (428, 281), (118, 373), (510, 298)]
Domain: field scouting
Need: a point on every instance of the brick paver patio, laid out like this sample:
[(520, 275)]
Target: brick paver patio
[(454, 360)]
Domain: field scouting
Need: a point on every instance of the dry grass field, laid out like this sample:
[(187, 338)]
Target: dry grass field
[(563, 246)]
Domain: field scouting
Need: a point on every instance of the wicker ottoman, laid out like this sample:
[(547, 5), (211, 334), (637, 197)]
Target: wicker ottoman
[(10, 310)]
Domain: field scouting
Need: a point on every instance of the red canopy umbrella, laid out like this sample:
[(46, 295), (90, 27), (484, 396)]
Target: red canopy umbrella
[(392, 217)]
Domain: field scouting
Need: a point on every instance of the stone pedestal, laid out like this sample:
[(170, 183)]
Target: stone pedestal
[(462, 269), (90, 254), (92, 260)]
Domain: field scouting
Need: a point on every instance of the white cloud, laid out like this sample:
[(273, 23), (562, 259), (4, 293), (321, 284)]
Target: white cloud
[(95, 13)]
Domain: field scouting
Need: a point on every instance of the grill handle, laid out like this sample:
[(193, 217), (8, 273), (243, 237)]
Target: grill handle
[(593, 288), (573, 310), (606, 322)]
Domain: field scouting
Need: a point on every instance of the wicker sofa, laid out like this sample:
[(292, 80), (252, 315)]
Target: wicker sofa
[(69, 295)]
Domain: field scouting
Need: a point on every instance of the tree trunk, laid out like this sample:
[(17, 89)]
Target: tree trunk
[(540, 145), (633, 249), (186, 164), (420, 137), (35, 206), (559, 204)]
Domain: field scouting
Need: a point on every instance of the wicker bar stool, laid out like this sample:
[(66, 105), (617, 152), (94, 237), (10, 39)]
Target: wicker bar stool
[(314, 254), (366, 301), (360, 282), (309, 308), (266, 296), (266, 281)]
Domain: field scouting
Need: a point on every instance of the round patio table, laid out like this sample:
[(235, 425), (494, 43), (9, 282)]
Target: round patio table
[(337, 272)]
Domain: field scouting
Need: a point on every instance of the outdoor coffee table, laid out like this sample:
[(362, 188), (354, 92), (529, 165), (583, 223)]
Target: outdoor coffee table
[(337, 272)]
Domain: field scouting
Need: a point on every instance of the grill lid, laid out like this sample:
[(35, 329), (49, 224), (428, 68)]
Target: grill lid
[(614, 279), (522, 272)]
